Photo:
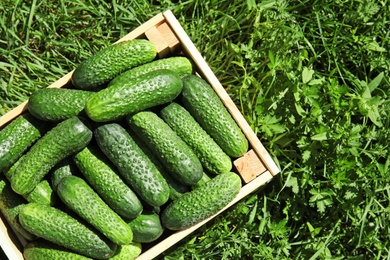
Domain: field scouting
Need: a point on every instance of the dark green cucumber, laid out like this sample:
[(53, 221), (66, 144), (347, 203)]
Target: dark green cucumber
[(202, 202), (10, 206), (45, 250), (103, 177), (60, 228), (175, 187), (212, 157), (65, 167), (133, 165), (128, 252), (167, 146), (110, 61), (42, 193), (146, 227), (82, 199), (201, 182), (64, 139), (181, 65), (17, 137), (57, 104), (149, 90), (200, 99)]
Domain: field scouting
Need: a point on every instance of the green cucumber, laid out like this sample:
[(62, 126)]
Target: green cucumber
[(202, 202), (146, 227), (82, 199), (65, 167), (10, 206), (17, 136), (212, 157), (134, 166), (167, 146), (101, 175), (66, 138), (181, 65), (110, 61), (128, 252), (45, 250), (57, 104), (200, 99), (146, 91), (201, 182), (42, 193), (58, 227), (175, 187)]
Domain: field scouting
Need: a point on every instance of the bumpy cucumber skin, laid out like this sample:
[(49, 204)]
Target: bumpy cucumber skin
[(146, 227), (44, 250), (57, 104), (42, 193), (149, 90), (65, 167), (180, 65), (175, 187), (202, 202), (128, 252), (64, 139), (101, 175), (167, 146), (17, 137), (133, 165), (10, 206), (212, 157), (60, 228), (205, 178), (205, 106), (82, 199), (109, 62)]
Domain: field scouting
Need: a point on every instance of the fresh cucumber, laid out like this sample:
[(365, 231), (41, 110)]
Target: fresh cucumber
[(167, 146), (181, 65), (17, 136), (146, 227), (65, 167), (175, 187), (128, 252), (42, 193), (110, 61), (103, 177), (133, 165), (45, 250), (10, 206), (66, 138), (200, 99), (213, 159), (202, 202), (205, 178), (58, 227), (146, 91), (82, 199), (57, 104)]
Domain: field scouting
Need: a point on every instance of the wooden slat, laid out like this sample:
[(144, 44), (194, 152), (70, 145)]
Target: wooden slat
[(249, 166), (154, 35), (205, 71)]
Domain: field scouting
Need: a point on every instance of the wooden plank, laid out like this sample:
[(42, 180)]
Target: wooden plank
[(155, 36), (205, 71), (249, 166), (169, 36)]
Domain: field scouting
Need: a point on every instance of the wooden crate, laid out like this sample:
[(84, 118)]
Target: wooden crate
[(256, 167)]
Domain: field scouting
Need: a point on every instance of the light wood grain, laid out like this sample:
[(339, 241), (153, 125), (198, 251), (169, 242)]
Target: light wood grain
[(249, 166)]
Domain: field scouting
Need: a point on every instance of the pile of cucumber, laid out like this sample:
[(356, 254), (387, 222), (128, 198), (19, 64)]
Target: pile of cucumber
[(134, 146)]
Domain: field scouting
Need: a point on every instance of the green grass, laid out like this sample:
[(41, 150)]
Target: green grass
[(312, 79)]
